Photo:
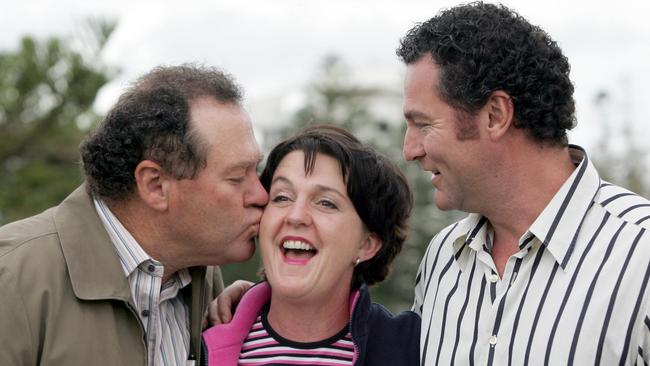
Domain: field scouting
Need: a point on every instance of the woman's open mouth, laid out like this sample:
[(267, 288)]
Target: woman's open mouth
[(297, 251)]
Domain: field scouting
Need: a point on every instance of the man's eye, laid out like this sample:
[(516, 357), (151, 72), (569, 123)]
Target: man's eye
[(236, 179), (423, 126)]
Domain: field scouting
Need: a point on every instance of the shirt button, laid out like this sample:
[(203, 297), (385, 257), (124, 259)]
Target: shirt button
[(493, 340), (494, 278), (151, 268), (145, 313)]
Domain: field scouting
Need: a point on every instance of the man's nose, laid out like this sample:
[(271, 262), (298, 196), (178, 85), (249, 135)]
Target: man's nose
[(258, 196), (412, 149)]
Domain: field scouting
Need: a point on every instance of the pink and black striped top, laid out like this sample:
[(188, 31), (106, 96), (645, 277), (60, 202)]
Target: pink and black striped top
[(263, 346)]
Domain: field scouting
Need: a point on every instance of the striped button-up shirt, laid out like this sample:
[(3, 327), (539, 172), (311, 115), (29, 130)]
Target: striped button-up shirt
[(162, 311), (575, 293)]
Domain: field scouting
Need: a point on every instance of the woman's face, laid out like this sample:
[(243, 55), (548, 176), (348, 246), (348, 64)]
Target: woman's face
[(310, 233)]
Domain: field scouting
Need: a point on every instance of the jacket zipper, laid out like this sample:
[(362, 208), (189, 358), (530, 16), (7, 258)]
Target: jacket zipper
[(355, 356)]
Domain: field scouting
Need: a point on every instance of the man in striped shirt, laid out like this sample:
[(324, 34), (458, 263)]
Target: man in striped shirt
[(551, 265), (122, 271)]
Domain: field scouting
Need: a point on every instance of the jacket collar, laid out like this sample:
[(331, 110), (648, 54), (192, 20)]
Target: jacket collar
[(95, 271), (221, 338), (94, 267)]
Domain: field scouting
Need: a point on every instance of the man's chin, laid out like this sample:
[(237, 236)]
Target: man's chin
[(244, 252), (442, 202), (239, 252)]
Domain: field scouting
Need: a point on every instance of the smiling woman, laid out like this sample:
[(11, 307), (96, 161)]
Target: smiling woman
[(335, 221), (311, 210)]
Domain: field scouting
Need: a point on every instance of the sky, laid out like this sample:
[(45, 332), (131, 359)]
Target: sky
[(273, 47)]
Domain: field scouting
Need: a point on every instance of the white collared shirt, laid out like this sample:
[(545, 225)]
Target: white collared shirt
[(575, 293), (161, 309)]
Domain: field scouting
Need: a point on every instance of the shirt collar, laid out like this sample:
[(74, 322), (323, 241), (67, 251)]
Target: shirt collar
[(559, 224), (569, 207), (128, 250), (471, 233)]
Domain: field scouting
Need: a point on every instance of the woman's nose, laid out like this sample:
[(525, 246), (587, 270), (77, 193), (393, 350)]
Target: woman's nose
[(299, 214)]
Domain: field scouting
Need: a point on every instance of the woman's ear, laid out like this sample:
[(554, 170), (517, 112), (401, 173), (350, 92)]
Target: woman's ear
[(152, 185), (369, 248)]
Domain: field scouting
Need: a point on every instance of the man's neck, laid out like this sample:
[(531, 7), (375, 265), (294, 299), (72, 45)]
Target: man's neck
[(534, 178), (140, 224)]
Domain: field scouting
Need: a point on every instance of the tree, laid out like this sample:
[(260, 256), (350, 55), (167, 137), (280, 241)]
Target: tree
[(334, 98), (47, 89), (618, 156)]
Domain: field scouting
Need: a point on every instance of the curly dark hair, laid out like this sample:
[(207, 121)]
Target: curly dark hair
[(151, 121), (481, 48), (377, 188)]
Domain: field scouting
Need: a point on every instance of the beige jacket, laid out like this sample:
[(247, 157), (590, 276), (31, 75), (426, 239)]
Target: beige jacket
[(64, 299)]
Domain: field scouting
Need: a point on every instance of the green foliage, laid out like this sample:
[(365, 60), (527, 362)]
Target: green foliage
[(333, 98), (47, 89)]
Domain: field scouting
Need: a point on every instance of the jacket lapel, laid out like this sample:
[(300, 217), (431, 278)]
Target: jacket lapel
[(95, 270)]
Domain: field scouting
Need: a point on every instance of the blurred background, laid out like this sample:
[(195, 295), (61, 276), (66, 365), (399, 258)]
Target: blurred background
[(64, 63)]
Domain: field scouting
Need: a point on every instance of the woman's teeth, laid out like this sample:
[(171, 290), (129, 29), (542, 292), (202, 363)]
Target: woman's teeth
[(295, 244)]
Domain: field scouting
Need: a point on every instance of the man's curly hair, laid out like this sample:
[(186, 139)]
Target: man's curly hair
[(151, 120), (481, 48), (377, 188)]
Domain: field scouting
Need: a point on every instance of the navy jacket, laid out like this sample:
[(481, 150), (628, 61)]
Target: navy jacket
[(384, 339)]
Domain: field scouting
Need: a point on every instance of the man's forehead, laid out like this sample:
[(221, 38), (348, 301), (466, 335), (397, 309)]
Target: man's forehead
[(414, 114), (243, 162), (222, 123)]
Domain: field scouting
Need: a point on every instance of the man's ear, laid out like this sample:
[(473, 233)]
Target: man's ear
[(370, 247), (152, 185), (500, 111)]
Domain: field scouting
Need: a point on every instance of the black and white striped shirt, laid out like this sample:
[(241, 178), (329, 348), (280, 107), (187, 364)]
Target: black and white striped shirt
[(575, 293)]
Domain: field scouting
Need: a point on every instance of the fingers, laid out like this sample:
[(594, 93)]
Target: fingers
[(213, 315), (222, 308)]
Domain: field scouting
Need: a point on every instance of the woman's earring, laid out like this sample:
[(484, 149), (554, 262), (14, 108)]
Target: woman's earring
[(356, 263)]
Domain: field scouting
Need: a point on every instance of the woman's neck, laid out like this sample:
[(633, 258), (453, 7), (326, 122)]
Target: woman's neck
[(302, 321)]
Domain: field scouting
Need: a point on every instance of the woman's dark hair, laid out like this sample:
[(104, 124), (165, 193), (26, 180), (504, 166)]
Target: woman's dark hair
[(481, 48), (151, 120), (376, 186)]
